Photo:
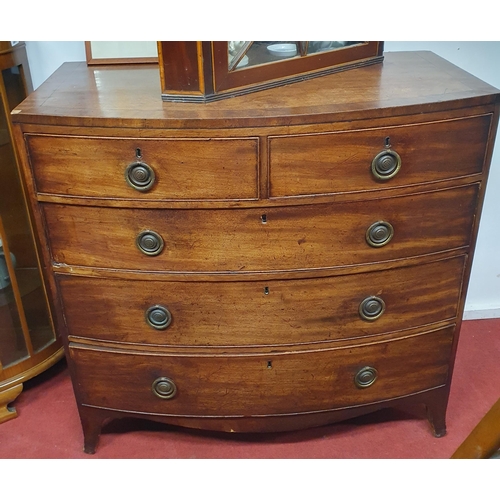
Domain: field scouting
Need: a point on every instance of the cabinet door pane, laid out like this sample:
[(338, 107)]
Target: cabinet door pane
[(24, 319), (316, 47), (246, 54), (12, 345)]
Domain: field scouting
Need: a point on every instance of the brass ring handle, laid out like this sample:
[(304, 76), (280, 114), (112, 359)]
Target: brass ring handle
[(371, 308), (379, 234), (164, 388), (365, 377), (140, 176), (386, 165), (149, 243), (158, 317)]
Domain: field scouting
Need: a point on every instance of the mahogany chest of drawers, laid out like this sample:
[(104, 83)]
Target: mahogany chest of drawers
[(269, 262)]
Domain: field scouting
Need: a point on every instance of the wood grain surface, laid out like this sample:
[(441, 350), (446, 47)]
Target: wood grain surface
[(305, 237), (122, 96), (271, 312), (260, 385), (340, 162), (184, 168)]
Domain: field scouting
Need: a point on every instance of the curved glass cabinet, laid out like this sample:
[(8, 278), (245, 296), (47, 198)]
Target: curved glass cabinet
[(28, 344), (207, 71)]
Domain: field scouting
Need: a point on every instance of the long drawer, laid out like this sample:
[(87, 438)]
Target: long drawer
[(341, 161), (245, 385), (273, 312), (181, 168), (277, 238)]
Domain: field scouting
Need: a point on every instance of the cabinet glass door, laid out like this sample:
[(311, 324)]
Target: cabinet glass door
[(247, 63), (25, 326), (28, 344), (205, 71), (247, 54)]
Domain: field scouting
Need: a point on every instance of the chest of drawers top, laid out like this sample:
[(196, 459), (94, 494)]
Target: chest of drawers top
[(125, 96)]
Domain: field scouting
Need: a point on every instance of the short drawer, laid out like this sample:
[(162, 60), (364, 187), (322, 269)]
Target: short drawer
[(252, 385), (271, 239), (179, 169), (274, 312), (342, 161)]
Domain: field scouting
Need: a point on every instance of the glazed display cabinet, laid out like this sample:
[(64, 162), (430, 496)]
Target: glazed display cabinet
[(28, 344), (208, 71)]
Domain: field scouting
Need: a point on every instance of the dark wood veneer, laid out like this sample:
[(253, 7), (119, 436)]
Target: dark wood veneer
[(291, 312), (267, 384), (304, 236)]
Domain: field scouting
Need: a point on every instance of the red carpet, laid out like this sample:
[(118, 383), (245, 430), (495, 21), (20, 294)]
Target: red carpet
[(48, 425)]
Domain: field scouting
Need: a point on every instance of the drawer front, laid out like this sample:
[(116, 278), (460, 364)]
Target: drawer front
[(341, 162), (300, 237), (262, 385), (261, 312), (183, 168)]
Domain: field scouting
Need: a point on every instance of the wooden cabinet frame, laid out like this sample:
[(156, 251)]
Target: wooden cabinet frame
[(199, 71)]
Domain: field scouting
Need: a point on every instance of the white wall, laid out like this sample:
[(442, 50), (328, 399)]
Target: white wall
[(482, 59), (45, 57)]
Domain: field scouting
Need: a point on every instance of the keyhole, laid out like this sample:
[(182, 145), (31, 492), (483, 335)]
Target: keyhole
[(387, 142), (263, 218), (266, 290), (269, 365), (138, 153)]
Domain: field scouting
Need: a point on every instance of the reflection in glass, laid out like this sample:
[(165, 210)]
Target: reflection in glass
[(14, 87), (246, 54), (12, 344), (236, 52), (25, 326), (316, 47)]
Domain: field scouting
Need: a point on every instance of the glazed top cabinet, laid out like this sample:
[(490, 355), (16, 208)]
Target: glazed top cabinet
[(208, 71), (268, 262)]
